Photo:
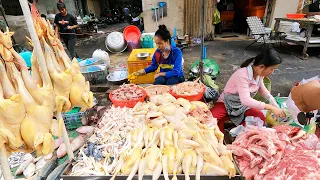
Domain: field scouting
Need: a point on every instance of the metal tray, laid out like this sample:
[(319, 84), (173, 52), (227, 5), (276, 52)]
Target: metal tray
[(65, 176)]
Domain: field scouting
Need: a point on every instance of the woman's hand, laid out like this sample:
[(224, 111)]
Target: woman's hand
[(158, 75), (278, 112), (275, 110)]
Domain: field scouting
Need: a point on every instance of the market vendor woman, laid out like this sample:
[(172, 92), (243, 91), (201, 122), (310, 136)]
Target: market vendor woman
[(236, 102), (167, 57)]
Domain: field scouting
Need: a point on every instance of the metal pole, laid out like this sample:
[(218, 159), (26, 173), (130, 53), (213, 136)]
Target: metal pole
[(202, 40)]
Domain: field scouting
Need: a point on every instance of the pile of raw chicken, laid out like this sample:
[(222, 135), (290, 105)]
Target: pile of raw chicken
[(29, 102), (282, 152), (154, 138), (127, 92), (188, 88)]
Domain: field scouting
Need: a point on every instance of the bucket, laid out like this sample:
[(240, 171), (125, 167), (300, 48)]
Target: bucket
[(131, 33), (147, 41), (267, 83)]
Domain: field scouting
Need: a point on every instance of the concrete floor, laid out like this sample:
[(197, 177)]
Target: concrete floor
[(229, 54)]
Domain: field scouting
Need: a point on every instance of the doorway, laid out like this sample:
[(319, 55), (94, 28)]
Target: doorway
[(233, 14)]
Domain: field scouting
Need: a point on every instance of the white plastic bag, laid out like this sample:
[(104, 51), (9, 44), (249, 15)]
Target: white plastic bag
[(311, 143), (295, 27), (254, 121), (102, 55), (292, 108), (234, 132)]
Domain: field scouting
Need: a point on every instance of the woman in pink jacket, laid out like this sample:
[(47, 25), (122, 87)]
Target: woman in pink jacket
[(236, 102)]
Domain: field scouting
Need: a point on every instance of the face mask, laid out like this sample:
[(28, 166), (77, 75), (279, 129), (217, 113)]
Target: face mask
[(165, 49)]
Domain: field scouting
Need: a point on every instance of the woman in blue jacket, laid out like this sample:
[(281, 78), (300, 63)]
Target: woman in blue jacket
[(168, 58)]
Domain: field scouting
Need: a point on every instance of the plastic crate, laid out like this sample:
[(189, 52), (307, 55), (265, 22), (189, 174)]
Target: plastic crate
[(135, 64), (73, 118)]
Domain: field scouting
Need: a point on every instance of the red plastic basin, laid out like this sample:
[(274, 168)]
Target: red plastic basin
[(132, 34), (295, 16)]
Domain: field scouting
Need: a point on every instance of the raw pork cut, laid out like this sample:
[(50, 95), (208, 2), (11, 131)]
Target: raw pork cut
[(282, 153)]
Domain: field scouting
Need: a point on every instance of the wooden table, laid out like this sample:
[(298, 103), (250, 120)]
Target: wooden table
[(310, 24)]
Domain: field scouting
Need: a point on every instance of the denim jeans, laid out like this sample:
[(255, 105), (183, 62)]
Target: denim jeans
[(161, 80)]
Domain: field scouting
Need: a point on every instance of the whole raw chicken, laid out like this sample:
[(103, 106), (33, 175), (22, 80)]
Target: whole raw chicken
[(36, 124), (12, 112), (80, 94)]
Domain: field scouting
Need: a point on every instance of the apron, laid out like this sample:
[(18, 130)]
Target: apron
[(235, 108)]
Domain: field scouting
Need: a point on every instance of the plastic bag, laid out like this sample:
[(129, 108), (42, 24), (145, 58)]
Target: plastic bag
[(311, 143), (216, 16), (271, 120), (254, 121), (292, 108), (295, 27), (211, 94), (311, 128), (102, 55), (234, 132), (207, 80)]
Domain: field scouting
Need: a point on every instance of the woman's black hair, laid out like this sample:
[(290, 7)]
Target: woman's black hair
[(268, 57), (163, 33), (60, 5)]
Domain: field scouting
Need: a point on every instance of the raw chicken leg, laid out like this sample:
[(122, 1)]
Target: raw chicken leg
[(57, 46), (211, 169), (189, 163), (8, 89), (62, 80), (80, 94), (38, 93), (12, 112), (36, 77), (37, 122), (171, 160), (149, 165)]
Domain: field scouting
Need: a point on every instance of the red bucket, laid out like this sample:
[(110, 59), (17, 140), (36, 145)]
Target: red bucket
[(132, 34)]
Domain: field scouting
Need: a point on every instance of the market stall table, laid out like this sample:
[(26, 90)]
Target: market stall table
[(305, 42)]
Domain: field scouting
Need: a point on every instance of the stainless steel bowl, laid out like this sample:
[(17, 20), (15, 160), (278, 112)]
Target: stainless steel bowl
[(118, 77), (115, 42), (196, 70), (143, 56)]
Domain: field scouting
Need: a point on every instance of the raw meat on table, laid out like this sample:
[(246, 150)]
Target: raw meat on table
[(128, 92), (284, 152)]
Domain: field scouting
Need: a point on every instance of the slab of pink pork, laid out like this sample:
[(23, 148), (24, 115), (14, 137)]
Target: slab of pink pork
[(252, 152)]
